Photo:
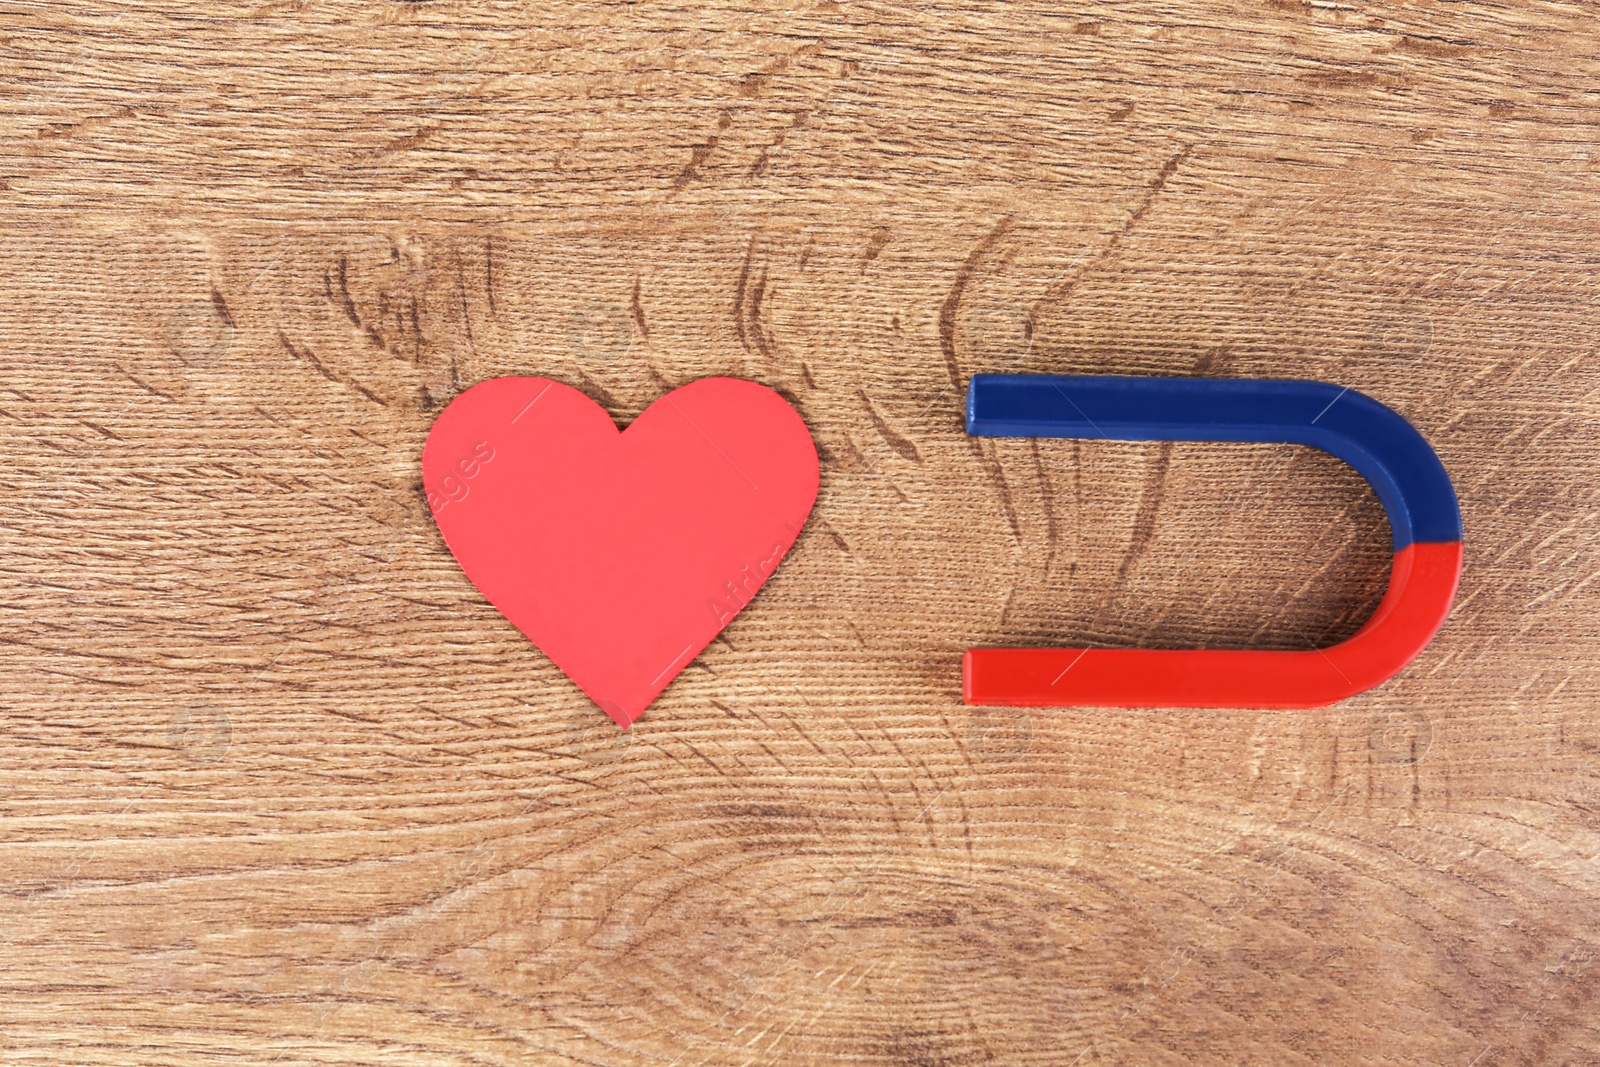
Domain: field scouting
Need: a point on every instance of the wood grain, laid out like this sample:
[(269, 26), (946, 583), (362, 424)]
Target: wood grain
[(280, 788)]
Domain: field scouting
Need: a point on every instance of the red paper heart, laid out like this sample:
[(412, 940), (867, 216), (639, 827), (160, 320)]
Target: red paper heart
[(620, 554)]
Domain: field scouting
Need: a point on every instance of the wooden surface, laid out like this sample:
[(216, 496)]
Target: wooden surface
[(280, 788)]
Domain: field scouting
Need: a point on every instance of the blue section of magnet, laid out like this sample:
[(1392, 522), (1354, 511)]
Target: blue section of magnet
[(1378, 442)]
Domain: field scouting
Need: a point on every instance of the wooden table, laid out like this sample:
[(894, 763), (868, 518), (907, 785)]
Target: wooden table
[(281, 788)]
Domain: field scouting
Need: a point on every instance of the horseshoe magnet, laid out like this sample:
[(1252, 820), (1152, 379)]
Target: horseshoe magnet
[(1378, 442)]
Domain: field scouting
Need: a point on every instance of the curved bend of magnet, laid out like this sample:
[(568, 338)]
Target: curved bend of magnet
[(1379, 443)]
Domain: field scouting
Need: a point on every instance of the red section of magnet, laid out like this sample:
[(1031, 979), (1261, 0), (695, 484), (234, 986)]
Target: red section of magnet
[(621, 554), (1422, 584)]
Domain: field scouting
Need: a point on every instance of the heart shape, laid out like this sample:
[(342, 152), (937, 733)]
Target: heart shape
[(621, 554)]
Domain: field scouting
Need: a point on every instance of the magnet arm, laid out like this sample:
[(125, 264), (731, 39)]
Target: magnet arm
[(1378, 442)]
